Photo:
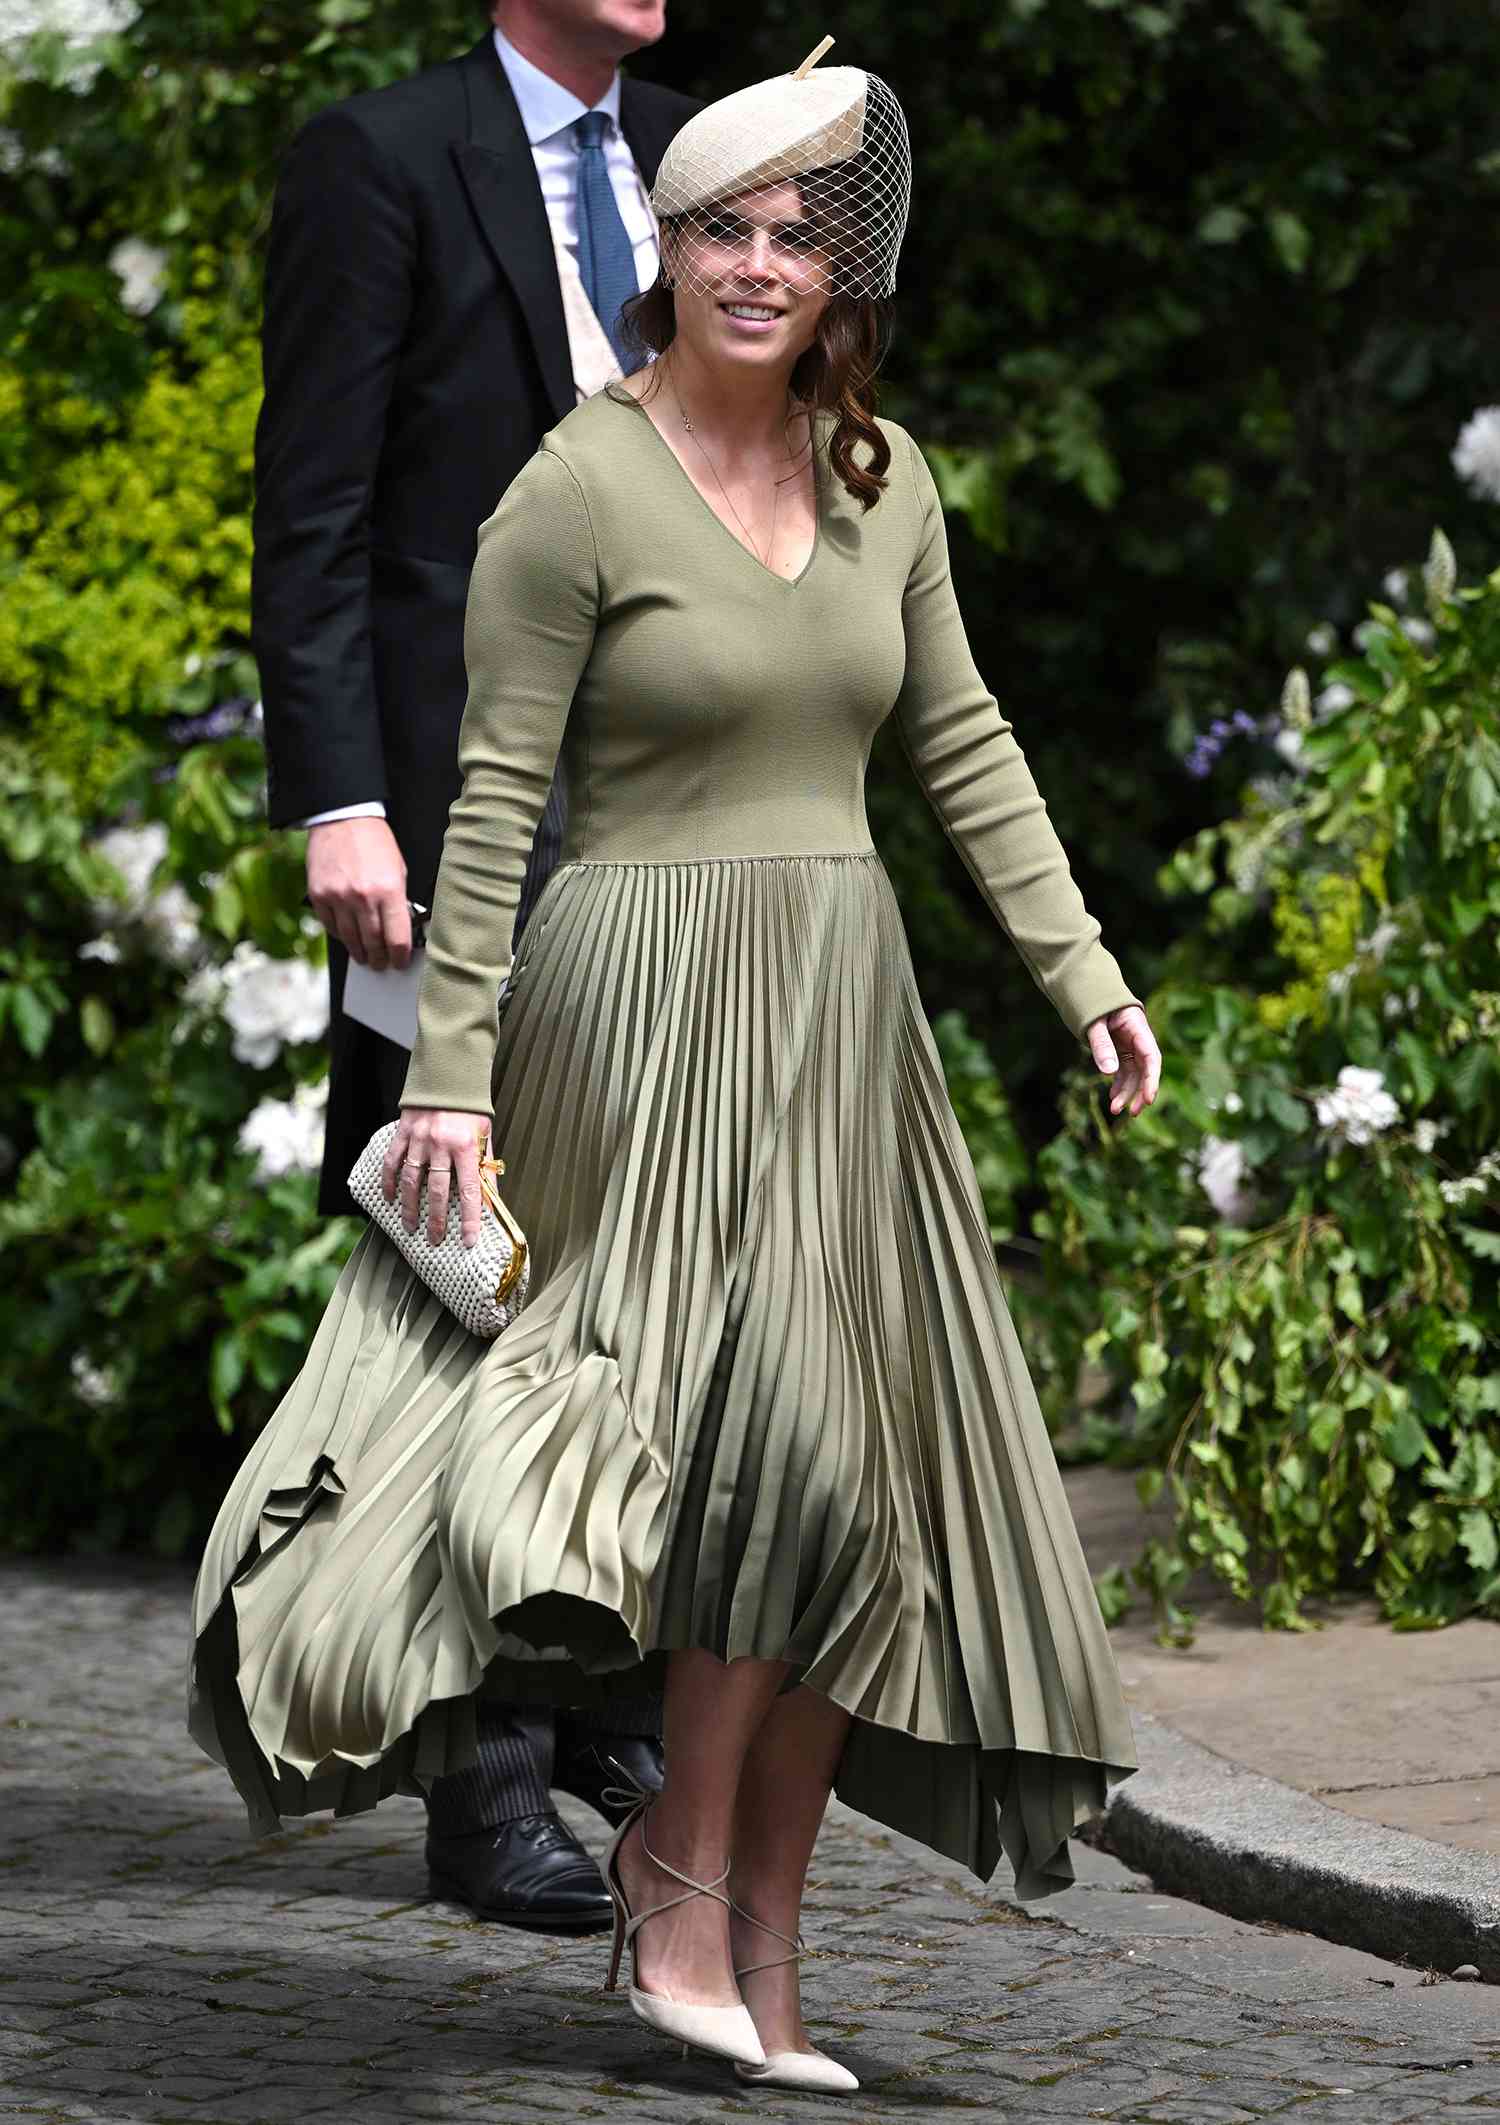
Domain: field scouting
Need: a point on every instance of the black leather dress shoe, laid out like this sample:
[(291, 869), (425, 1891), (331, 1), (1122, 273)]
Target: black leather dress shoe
[(582, 1768), (530, 1871)]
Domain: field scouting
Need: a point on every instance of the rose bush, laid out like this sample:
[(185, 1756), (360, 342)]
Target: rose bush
[(162, 1027), (1134, 558)]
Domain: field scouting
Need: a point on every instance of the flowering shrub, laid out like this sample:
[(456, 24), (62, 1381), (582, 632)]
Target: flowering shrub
[(162, 1030), (160, 1101), (1291, 1261)]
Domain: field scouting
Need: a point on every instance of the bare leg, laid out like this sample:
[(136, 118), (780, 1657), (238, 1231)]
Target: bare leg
[(784, 1787), (710, 1715)]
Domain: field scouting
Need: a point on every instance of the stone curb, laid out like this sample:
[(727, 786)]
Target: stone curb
[(1203, 1827)]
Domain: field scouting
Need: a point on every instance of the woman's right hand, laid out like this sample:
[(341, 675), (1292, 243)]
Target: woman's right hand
[(448, 1147)]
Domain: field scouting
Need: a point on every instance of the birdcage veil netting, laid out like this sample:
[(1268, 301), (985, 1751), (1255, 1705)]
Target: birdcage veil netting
[(838, 136)]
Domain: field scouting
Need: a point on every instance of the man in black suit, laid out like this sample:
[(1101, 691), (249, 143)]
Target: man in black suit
[(416, 347)]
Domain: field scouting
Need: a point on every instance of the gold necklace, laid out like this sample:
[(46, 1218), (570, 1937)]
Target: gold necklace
[(763, 558)]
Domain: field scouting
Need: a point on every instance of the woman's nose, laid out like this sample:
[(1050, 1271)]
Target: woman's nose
[(758, 252)]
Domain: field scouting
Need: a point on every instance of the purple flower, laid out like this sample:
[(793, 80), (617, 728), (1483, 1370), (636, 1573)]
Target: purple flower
[(1210, 744), (226, 720)]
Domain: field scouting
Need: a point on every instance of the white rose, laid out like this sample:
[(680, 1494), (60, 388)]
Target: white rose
[(1334, 696), (1221, 1176), (271, 1003), (135, 852), (169, 919), (1476, 454), (141, 269), (1358, 1108), (79, 23), (97, 1385), (286, 1136)]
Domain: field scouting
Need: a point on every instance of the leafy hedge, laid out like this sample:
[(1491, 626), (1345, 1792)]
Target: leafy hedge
[(1177, 326), (159, 1272), (1293, 1261), (1176, 318)]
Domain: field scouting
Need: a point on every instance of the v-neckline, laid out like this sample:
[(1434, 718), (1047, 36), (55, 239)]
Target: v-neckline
[(787, 582)]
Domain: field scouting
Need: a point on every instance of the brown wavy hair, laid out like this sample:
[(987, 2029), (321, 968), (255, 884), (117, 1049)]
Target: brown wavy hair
[(836, 373)]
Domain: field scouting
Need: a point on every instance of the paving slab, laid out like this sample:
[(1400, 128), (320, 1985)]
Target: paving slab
[(307, 1976), (1344, 1779)]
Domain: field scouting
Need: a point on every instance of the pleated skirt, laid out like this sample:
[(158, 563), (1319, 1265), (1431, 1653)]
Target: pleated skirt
[(765, 1398)]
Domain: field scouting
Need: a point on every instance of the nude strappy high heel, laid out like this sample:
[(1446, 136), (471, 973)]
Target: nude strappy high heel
[(728, 2032), (790, 2069)]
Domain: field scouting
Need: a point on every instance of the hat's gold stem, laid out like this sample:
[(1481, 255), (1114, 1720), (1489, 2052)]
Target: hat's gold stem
[(801, 73)]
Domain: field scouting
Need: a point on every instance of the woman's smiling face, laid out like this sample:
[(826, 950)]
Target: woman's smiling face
[(749, 281)]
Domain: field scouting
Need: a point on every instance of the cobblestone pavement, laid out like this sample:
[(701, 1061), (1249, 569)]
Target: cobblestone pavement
[(157, 1964)]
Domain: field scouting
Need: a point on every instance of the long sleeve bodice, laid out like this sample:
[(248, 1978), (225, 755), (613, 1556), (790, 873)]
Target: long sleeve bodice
[(708, 709)]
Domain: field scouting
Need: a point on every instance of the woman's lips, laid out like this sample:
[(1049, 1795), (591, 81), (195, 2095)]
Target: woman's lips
[(751, 327)]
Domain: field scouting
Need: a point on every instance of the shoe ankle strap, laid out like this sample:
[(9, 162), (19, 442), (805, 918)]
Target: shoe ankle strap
[(694, 1888), (798, 1946)]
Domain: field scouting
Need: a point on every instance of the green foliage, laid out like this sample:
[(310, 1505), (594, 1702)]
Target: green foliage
[(983, 1111), (1175, 319), (125, 559), (1310, 1352), (151, 1281), (1176, 324)]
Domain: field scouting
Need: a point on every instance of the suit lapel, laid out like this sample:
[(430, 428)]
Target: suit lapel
[(499, 175)]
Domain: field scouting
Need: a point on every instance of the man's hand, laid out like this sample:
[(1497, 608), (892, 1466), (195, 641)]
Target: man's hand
[(356, 884), (1134, 1041)]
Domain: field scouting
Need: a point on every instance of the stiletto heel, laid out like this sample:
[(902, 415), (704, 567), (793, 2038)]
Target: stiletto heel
[(728, 2032), (790, 2069)]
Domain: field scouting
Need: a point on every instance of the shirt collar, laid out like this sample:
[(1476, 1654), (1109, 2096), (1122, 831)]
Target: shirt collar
[(546, 107)]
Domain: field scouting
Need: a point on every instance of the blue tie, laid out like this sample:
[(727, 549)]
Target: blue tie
[(606, 258)]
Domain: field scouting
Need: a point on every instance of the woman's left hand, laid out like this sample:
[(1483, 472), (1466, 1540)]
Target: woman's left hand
[(1123, 1041)]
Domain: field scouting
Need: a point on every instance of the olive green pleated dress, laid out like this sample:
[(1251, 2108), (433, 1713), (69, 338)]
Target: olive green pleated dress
[(765, 1396)]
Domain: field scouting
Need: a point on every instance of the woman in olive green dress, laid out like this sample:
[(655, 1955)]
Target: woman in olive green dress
[(762, 1432)]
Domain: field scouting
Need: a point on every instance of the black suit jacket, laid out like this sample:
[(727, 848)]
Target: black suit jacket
[(415, 351)]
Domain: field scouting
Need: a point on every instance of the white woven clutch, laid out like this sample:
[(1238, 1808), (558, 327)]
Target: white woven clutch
[(483, 1286)]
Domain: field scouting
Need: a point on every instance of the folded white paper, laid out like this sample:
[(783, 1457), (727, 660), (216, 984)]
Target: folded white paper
[(387, 1001)]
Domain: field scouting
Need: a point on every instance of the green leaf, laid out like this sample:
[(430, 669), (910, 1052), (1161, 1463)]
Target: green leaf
[(1113, 1589), (1289, 233), (97, 1024), (1479, 1240), (1467, 914), (1223, 224), (32, 1018), (1405, 1440), (1285, 1108), (1474, 1066), (226, 1367), (283, 1323), (1324, 1429), (1477, 1533), (1422, 1075)]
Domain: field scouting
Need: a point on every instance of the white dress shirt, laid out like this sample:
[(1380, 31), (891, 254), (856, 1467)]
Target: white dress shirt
[(548, 111)]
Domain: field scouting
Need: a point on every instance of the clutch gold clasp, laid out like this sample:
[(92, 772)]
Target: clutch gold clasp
[(491, 1195)]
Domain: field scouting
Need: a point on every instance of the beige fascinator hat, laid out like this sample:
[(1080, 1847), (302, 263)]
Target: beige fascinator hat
[(836, 132)]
